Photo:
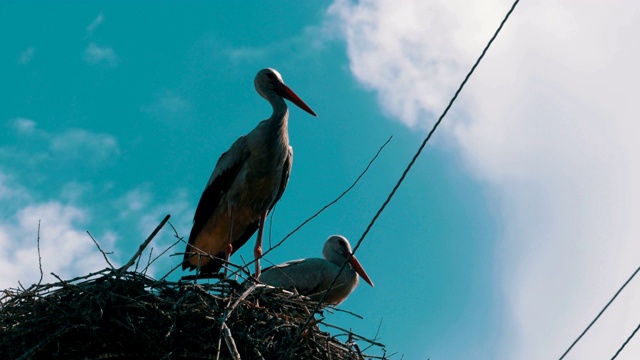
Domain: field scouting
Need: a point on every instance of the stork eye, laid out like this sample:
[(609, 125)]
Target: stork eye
[(272, 76)]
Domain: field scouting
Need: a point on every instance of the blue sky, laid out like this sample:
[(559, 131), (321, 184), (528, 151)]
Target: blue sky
[(515, 226)]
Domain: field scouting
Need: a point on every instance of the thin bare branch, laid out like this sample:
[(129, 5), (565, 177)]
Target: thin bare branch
[(39, 256), (144, 245), (231, 344), (162, 253), (144, 271), (104, 254)]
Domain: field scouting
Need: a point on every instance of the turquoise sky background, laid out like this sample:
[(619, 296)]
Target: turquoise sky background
[(114, 115)]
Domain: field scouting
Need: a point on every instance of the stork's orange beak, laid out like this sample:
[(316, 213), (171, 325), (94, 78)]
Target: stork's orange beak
[(288, 94), (358, 268)]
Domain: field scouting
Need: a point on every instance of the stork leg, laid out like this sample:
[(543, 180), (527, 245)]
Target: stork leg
[(257, 250), (229, 248)]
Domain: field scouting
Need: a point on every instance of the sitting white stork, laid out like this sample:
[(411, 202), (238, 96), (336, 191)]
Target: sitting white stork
[(312, 277)]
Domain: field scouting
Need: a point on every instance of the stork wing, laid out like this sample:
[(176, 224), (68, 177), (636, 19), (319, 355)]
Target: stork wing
[(286, 170), (307, 276), (223, 176)]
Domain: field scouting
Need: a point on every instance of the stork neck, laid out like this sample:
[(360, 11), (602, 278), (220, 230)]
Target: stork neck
[(280, 115)]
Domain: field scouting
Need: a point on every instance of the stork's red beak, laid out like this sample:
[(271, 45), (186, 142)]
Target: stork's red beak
[(288, 94), (358, 268)]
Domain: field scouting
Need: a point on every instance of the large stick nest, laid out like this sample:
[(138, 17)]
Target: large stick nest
[(129, 315), (121, 314)]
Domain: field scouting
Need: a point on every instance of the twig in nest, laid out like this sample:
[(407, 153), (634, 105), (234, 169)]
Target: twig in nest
[(104, 254), (59, 279), (231, 344), (162, 253), (333, 308), (171, 271), (144, 271), (351, 334), (144, 245), (39, 257), (375, 337), (222, 326)]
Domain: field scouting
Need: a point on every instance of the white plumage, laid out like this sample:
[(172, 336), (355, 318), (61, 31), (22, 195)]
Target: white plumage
[(312, 277)]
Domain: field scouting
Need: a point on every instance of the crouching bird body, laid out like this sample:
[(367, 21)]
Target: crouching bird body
[(313, 277)]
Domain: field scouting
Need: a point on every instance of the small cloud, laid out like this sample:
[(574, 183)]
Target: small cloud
[(167, 104), (10, 190), (95, 23), (74, 191), (76, 143), (5, 191), (90, 148), (304, 44), (248, 53), (134, 201), (23, 126), (26, 56), (100, 55)]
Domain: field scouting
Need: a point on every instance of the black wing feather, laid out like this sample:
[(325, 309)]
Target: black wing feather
[(286, 171), (212, 194)]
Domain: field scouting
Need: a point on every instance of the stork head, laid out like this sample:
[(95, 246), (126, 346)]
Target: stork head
[(269, 83), (337, 249)]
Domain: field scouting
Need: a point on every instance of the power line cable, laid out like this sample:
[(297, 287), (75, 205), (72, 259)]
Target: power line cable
[(626, 342), (600, 313), (435, 126)]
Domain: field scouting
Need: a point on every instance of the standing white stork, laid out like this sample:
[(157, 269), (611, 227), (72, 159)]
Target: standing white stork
[(312, 277), (246, 183)]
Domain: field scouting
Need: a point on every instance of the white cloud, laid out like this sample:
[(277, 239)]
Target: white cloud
[(68, 145), (23, 126), (301, 47), (10, 191), (248, 53), (548, 124), (75, 191), (26, 56), (95, 23), (304, 45), (134, 201), (167, 104), (101, 55), (77, 143), (65, 249), (397, 49)]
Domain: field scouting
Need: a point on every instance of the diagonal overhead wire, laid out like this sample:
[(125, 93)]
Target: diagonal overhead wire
[(435, 126), (600, 313), (410, 165), (626, 342)]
